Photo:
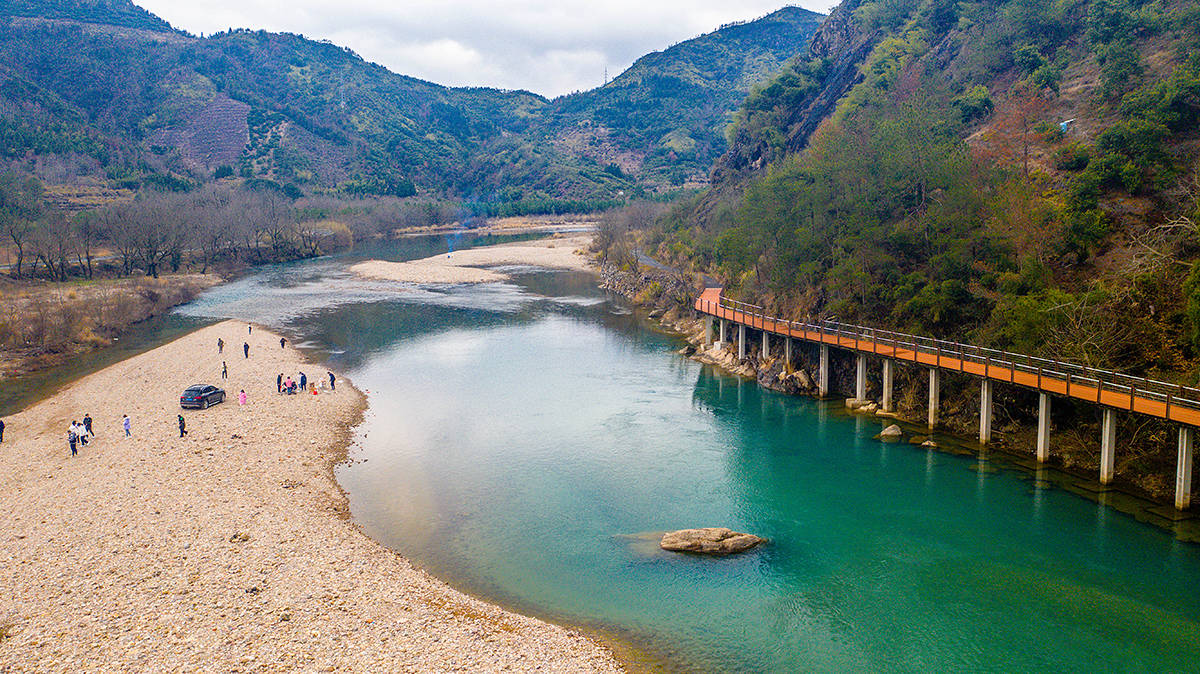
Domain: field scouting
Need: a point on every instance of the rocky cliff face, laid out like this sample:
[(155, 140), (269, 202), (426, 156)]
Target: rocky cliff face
[(837, 34), (845, 47), (843, 75)]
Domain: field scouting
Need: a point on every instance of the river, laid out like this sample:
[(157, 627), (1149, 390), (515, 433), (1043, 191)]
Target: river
[(524, 437)]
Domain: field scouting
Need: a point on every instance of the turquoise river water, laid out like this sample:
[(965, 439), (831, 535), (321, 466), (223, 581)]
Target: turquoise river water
[(523, 439)]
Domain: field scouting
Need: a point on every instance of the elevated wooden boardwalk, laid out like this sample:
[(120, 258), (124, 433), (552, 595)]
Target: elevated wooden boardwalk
[(1110, 390)]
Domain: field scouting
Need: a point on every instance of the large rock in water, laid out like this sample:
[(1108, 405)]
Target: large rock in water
[(709, 541)]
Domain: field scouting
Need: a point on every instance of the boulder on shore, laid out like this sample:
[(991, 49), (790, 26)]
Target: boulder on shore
[(709, 541), (892, 431)]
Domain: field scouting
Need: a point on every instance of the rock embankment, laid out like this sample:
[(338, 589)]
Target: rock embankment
[(667, 296), (659, 291)]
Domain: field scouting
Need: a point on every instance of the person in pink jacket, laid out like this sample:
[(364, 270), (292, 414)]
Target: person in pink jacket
[(242, 397)]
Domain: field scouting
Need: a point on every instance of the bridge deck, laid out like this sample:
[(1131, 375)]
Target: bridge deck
[(1119, 396)]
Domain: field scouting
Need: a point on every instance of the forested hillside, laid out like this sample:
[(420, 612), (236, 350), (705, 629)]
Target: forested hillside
[(108, 12), (664, 119), (83, 95), (1018, 174)]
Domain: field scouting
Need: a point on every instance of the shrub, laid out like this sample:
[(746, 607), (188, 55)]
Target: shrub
[(1120, 64), (1072, 157), (974, 104), (1028, 59), (1085, 229), (1191, 291)]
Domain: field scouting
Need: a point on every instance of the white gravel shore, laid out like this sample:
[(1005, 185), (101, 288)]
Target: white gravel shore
[(464, 266), (228, 550)]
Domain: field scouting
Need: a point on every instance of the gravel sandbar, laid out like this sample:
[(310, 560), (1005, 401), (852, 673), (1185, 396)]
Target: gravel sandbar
[(230, 549), (465, 266)]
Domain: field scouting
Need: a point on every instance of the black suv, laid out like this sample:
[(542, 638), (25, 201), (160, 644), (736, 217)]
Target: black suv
[(201, 396)]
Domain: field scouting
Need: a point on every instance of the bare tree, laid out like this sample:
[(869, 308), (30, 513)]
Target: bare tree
[(179, 231), (87, 232), (213, 224), (20, 207), (1162, 244), (1086, 330), (117, 223), (53, 243), (150, 221)]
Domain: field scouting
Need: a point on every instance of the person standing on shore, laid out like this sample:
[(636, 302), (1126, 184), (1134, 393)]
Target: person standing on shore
[(220, 346), (224, 370), (72, 438), (182, 427), (242, 398), (303, 381), (246, 349), (279, 383), (332, 386), (249, 329), (282, 342), (1, 430), (87, 423), (125, 424)]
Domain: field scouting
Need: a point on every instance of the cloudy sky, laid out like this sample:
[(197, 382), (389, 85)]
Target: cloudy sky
[(552, 47)]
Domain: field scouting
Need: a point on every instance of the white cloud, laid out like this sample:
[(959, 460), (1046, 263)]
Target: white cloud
[(548, 47)]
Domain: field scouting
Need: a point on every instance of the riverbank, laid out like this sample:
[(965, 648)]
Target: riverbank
[(230, 547), (667, 297), (525, 224), (468, 265), (45, 324)]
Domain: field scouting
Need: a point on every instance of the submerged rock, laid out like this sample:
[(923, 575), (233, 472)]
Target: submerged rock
[(709, 541)]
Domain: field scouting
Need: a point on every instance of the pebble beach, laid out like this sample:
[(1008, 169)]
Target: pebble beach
[(230, 549), (467, 266)]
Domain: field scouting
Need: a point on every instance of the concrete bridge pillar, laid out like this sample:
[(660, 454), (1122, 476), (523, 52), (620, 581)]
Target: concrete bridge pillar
[(708, 331), (860, 378), (1183, 469), (741, 342), (823, 372), (888, 368), (935, 396), (1043, 432), (724, 331), (787, 351), (766, 350), (1108, 445), (985, 412)]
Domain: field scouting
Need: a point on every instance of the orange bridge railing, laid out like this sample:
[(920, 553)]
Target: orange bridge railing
[(1173, 402)]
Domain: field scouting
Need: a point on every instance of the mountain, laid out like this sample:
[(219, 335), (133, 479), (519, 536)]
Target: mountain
[(1011, 174), (120, 13), (1017, 174), (666, 116), (103, 90), (152, 104)]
